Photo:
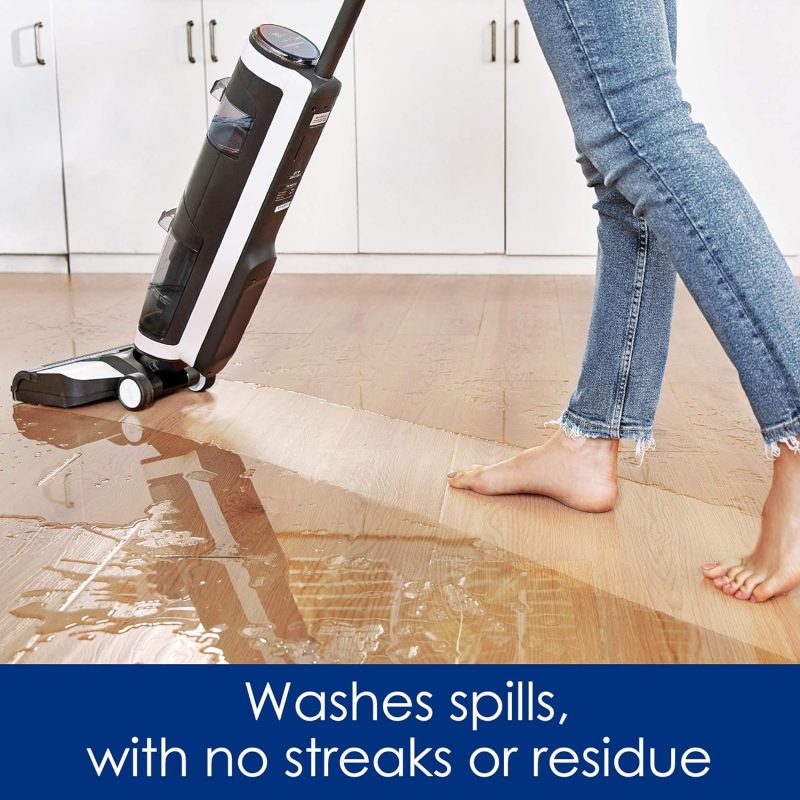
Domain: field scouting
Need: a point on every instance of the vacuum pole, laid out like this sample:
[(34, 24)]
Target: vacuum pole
[(340, 35)]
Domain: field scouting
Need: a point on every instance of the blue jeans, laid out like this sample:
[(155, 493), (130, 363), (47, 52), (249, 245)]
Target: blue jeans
[(669, 204)]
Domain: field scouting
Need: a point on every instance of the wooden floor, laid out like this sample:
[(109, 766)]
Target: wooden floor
[(299, 512)]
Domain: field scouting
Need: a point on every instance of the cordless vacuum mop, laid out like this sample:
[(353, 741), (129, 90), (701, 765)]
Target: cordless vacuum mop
[(220, 246)]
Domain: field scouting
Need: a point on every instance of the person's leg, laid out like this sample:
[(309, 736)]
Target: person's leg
[(626, 350), (614, 69), (613, 65), (773, 568), (623, 364), (620, 378)]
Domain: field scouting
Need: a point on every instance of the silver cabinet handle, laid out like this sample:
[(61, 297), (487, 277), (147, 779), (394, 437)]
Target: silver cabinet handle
[(494, 40), (38, 42), (212, 39), (189, 42), (516, 41)]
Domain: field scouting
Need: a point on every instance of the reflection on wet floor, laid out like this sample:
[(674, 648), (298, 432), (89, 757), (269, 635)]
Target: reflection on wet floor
[(299, 511), (159, 548)]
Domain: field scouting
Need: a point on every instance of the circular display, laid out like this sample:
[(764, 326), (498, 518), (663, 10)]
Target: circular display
[(289, 44)]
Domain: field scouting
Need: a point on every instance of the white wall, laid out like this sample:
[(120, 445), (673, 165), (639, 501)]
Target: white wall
[(739, 67)]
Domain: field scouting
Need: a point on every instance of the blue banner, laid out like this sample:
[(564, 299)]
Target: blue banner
[(543, 731)]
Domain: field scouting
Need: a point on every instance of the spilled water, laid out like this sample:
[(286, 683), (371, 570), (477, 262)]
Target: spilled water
[(152, 547), (200, 560)]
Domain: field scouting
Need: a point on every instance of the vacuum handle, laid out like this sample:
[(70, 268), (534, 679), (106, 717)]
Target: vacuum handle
[(340, 35)]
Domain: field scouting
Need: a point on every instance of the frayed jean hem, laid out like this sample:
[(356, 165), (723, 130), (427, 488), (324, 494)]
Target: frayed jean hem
[(577, 427), (787, 433)]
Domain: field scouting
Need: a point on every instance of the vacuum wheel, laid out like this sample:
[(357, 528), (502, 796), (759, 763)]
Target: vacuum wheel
[(203, 383), (135, 391)]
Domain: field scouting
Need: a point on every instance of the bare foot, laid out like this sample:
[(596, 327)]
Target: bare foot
[(581, 473), (773, 568)]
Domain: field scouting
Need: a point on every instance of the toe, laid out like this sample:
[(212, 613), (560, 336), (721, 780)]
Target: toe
[(736, 577), (465, 479), (456, 478), (734, 572), (741, 576), (746, 590), (719, 568), (765, 590)]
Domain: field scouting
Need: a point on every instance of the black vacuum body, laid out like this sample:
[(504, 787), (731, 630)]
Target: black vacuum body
[(220, 245)]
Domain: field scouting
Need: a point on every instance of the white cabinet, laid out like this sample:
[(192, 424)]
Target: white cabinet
[(459, 142), (32, 197), (133, 116), (549, 207), (726, 52), (324, 213), (431, 126), (739, 67)]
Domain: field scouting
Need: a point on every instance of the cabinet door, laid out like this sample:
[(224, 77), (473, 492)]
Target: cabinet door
[(32, 199), (430, 118), (549, 206), (323, 218), (133, 116), (739, 67)]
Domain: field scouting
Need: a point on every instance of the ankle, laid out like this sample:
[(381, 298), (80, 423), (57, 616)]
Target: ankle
[(590, 447), (787, 464)]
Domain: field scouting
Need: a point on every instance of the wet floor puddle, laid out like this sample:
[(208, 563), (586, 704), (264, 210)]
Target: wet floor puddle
[(150, 547)]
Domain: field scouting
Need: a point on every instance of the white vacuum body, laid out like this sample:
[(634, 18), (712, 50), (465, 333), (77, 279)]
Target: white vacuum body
[(220, 245)]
